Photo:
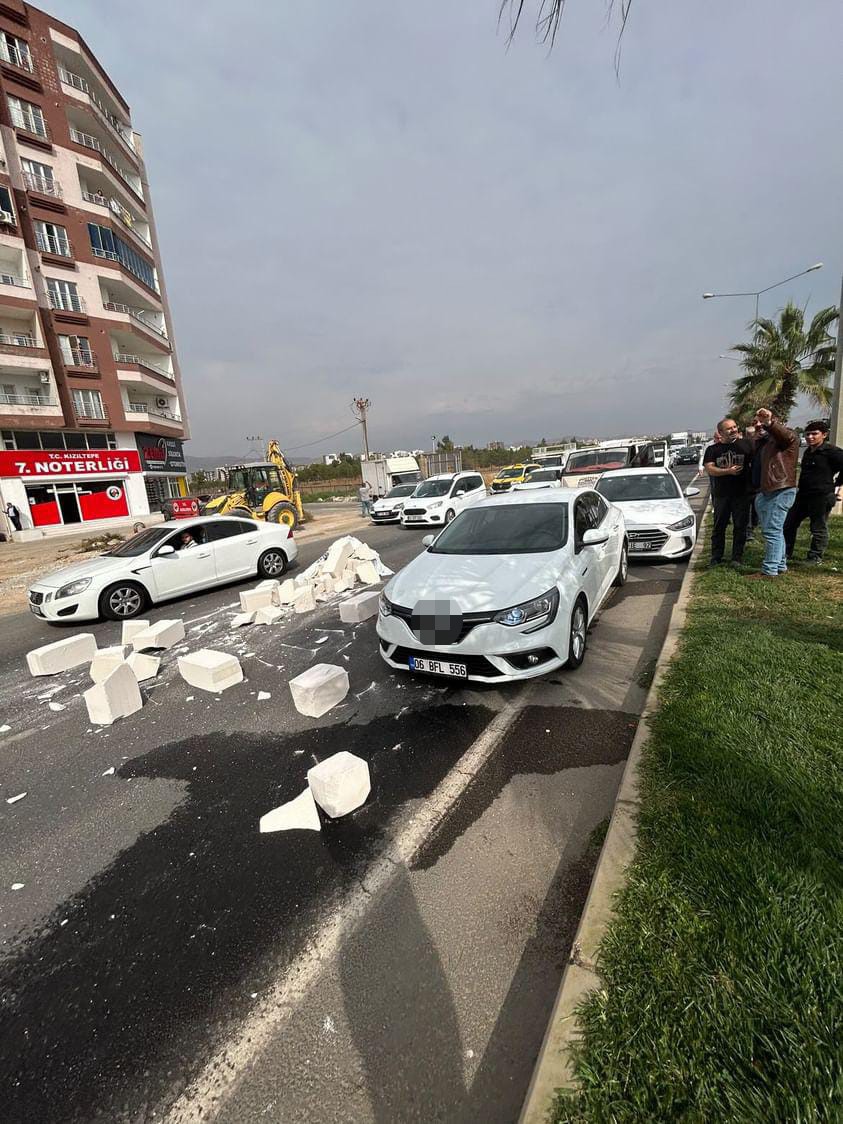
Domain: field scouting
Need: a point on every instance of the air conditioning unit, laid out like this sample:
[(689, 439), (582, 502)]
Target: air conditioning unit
[(7, 217), (162, 403), (44, 376)]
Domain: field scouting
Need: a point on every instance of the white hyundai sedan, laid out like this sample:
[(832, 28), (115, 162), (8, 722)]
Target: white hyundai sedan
[(169, 560), (659, 520), (507, 590)]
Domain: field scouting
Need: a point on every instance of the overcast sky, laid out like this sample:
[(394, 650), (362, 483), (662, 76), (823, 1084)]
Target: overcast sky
[(379, 198)]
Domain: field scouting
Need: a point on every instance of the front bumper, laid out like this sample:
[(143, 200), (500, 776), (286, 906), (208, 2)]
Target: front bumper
[(43, 604), (491, 652), (386, 516), (429, 519), (659, 542)]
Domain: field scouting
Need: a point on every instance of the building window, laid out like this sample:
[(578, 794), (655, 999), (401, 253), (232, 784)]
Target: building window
[(76, 351), (8, 211), (55, 439), (52, 238), (64, 294), (106, 244), (15, 51), (39, 177), (88, 404), (27, 115)]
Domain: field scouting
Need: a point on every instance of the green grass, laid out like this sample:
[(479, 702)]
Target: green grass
[(723, 981)]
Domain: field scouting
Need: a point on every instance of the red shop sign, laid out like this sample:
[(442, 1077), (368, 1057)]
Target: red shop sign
[(184, 509), (64, 463)]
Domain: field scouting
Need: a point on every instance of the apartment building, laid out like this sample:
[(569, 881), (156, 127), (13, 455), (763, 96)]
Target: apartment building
[(92, 416)]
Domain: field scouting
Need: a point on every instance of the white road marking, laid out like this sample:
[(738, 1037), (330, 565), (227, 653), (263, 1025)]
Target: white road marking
[(220, 1077)]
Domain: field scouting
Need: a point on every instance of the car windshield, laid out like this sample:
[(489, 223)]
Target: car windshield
[(140, 544), (513, 529), (509, 473), (602, 459), (647, 486), (544, 474), (433, 488), (401, 490)]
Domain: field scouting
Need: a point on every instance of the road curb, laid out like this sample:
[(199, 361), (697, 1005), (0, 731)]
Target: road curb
[(553, 1069)]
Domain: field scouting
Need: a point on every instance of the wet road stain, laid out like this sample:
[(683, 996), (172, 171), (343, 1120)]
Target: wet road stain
[(109, 1016), (577, 738)]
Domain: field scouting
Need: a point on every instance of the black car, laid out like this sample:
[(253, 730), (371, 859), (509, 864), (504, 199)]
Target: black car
[(686, 456)]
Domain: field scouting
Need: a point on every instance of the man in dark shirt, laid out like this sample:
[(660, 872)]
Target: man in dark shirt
[(728, 463), (820, 474)]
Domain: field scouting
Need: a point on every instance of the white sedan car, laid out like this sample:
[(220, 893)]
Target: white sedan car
[(659, 520), (169, 560), (540, 478), (507, 590)]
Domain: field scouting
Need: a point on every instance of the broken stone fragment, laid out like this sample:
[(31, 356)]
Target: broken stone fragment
[(338, 556), (367, 573), (210, 670), (106, 660), (240, 619), (304, 601), (287, 592), (340, 783), (274, 588), (268, 615), (117, 696), (131, 629), (163, 634), (360, 607), (144, 666), (253, 599), (62, 655), (319, 688), (300, 814), (364, 553)]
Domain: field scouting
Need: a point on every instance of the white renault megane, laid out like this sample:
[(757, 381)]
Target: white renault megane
[(507, 590)]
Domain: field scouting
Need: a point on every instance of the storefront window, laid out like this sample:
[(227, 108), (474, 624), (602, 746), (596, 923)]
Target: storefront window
[(70, 503), (56, 439), (161, 488)]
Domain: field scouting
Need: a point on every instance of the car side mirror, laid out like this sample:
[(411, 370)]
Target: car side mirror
[(692, 492), (165, 551), (594, 536), (428, 540)]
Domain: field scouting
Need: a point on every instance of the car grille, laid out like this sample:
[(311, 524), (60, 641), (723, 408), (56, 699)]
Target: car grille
[(35, 598), (651, 540), (502, 486), (415, 511), (469, 621), (474, 665)]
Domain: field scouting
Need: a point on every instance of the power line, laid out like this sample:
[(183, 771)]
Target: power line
[(319, 440)]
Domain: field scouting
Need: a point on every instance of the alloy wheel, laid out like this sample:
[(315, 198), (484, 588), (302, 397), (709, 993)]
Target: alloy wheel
[(125, 601)]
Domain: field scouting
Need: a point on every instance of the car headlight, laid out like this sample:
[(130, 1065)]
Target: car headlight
[(73, 588), (540, 611), (399, 507), (688, 521), (384, 606), (433, 505)]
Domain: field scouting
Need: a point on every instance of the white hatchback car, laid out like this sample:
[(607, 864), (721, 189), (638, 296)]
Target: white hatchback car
[(507, 590), (169, 560), (437, 500), (659, 520), (388, 509)]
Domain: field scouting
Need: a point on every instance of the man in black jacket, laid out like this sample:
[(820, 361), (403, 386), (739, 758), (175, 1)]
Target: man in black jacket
[(728, 462), (821, 473)]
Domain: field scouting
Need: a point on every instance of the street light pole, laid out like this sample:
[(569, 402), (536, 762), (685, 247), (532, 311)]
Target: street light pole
[(757, 293), (836, 426)]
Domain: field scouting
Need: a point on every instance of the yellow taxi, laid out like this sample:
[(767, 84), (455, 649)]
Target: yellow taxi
[(512, 474)]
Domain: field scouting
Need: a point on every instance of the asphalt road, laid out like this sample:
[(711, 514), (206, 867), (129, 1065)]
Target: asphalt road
[(164, 960)]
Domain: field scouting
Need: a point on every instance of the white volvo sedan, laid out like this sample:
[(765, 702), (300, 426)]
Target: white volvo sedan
[(169, 560), (507, 590), (659, 520)]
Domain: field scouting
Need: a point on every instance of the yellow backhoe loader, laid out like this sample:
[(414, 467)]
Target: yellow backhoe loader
[(267, 490)]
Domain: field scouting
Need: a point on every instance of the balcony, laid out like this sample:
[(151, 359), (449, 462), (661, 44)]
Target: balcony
[(77, 82), (76, 357), (27, 400), (89, 418), (14, 55), (65, 302), (139, 314), (14, 279), (160, 417), (18, 340), (87, 140), (41, 185), (123, 358), (49, 244), (29, 122), (122, 213)]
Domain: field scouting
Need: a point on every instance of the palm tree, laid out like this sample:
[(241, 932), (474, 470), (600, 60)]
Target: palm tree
[(784, 360)]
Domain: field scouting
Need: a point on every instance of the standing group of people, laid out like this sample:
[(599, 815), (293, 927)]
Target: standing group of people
[(754, 474)]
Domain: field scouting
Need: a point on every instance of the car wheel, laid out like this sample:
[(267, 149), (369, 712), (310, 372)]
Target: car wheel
[(577, 636), (272, 563), (122, 601), (449, 515), (623, 567)]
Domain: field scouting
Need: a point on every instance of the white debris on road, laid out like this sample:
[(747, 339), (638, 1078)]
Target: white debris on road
[(300, 814), (210, 671), (18, 885), (318, 689), (57, 706), (264, 695), (62, 655), (109, 772), (14, 799), (340, 783), (117, 696)]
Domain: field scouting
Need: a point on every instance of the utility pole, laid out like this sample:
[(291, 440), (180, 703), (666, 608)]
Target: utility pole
[(835, 435), (360, 409)]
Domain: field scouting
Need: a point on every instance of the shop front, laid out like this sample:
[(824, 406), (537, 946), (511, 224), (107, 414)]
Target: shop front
[(164, 469), (58, 489)]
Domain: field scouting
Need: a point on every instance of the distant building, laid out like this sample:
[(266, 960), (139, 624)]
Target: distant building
[(331, 458), (495, 446)]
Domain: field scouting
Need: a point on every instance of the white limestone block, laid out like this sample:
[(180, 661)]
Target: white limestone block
[(305, 601), (367, 573), (287, 592), (360, 607), (268, 615), (253, 599), (340, 783), (339, 553), (62, 655), (319, 688), (274, 588), (131, 629), (164, 634), (144, 666), (117, 696), (364, 553), (300, 814), (240, 619), (210, 670), (106, 660)]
